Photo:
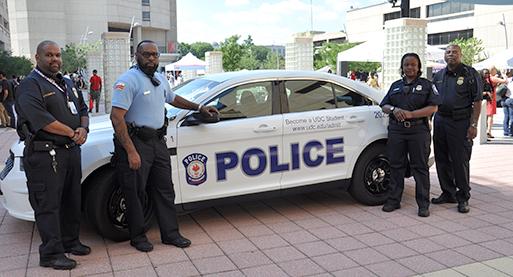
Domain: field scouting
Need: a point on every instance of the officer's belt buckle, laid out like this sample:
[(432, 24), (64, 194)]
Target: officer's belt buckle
[(406, 124)]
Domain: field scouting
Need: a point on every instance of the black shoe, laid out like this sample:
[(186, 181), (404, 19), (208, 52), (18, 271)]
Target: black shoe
[(390, 207), (143, 246), (61, 262), (463, 207), (443, 198), (178, 242), (79, 250), (423, 212)]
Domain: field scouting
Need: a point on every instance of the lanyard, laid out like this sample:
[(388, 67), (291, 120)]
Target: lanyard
[(53, 83)]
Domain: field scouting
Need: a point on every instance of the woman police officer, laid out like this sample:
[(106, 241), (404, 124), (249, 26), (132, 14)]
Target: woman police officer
[(410, 101)]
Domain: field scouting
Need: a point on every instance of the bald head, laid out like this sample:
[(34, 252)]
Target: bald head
[(43, 44), (48, 57), (452, 56)]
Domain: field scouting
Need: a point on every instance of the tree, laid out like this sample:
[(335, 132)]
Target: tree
[(273, 61), (14, 65), (184, 48), (198, 49), (327, 54), (73, 58), (232, 53), (470, 49)]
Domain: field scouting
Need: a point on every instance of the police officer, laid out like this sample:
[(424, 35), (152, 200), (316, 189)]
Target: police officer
[(53, 122), (410, 102), (455, 126), (141, 153)]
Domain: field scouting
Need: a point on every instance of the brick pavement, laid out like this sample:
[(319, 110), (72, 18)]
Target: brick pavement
[(323, 234)]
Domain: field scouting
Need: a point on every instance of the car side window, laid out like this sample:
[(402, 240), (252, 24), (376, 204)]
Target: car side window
[(245, 101), (348, 98), (307, 95)]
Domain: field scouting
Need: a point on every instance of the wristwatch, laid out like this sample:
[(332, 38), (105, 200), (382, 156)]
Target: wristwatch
[(392, 108)]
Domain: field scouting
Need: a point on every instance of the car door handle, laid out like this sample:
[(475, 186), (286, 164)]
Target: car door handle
[(355, 119), (264, 129)]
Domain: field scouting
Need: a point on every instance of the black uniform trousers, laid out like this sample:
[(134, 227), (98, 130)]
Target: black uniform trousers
[(55, 198), (452, 156), (153, 177), (413, 142)]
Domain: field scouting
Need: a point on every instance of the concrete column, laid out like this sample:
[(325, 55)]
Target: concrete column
[(299, 53), (402, 36), (481, 125), (214, 60), (116, 60)]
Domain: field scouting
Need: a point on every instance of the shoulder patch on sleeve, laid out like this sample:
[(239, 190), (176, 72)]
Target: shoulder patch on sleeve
[(119, 86), (435, 91)]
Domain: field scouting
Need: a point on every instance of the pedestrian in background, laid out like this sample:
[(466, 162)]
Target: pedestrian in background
[(7, 102), (410, 102), (140, 151), (53, 124), (507, 106), (455, 127), (95, 83)]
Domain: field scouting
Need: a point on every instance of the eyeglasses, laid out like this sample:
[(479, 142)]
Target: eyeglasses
[(147, 55)]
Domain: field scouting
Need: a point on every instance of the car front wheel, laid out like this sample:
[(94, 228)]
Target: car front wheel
[(371, 176), (106, 207)]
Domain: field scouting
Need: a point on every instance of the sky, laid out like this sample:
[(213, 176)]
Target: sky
[(268, 21)]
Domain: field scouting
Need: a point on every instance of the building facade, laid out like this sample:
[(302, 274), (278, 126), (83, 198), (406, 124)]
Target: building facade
[(446, 22), (5, 40), (78, 21)]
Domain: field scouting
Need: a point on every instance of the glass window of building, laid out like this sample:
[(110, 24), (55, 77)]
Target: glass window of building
[(145, 2), (414, 13), (146, 16), (448, 8), (447, 37)]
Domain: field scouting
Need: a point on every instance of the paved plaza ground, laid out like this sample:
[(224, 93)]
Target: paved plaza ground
[(318, 234)]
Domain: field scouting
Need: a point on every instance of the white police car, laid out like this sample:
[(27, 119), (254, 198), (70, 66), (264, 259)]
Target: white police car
[(277, 132)]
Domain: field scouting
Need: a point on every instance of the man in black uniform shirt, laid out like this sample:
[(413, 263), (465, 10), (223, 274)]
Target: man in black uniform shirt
[(455, 126), (53, 122)]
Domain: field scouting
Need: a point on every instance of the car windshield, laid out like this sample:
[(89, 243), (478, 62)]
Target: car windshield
[(191, 90)]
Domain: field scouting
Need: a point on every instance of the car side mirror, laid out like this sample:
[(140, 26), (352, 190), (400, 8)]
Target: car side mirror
[(197, 118)]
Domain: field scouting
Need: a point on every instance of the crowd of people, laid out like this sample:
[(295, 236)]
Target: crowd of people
[(371, 78), (497, 88)]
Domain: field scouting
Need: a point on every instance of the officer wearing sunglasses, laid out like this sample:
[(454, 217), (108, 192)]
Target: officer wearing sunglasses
[(140, 151)]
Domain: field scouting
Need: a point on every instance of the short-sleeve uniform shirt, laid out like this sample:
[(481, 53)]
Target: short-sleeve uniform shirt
[(411, 96), (144, 102), (458, 89), (39, 103)]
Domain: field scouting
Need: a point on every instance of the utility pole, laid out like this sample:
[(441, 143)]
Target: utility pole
[(503, 24)]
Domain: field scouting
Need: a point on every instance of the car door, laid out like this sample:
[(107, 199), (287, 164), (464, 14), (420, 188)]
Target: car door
[(232, 157), (323, 130)]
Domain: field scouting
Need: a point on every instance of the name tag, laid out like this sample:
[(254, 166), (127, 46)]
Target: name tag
[(72, 107), (147, 92)]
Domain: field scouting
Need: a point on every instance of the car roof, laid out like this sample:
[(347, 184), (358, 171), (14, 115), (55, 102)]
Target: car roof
[(248, 75)]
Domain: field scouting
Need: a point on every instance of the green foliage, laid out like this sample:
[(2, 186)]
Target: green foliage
[(273, 61), (198, 49), (470, 49), (327, 54), (14, 65), (232, 53), (364, 66), (73, 58)]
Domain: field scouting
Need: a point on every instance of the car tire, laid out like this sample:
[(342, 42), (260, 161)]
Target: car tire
[(371, 176), (106, 210)]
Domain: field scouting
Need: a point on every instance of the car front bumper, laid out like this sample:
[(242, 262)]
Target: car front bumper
[(15, 193)]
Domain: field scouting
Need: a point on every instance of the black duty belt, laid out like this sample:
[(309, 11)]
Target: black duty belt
[(45, 145), (456, 114), (146, 133), (408, 123)]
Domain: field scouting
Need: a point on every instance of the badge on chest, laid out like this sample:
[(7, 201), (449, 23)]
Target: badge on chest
[(72, 107)]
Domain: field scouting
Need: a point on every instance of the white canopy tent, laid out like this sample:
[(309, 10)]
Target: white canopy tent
[(501, 60), (187, 62), (372, 51)]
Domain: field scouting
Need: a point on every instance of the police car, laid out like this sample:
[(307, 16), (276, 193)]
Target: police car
[(277, 132)]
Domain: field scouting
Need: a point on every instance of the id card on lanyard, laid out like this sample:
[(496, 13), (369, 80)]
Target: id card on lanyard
[(71, 105)]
